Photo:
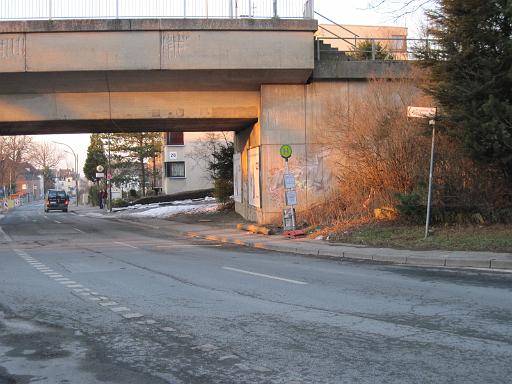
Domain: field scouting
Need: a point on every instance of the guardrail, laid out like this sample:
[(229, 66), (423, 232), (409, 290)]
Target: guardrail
[(375, 48), (125, 9)]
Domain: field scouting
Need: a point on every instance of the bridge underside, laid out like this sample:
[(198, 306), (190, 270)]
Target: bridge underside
[(115, 111), (148, 81), (135, 125)]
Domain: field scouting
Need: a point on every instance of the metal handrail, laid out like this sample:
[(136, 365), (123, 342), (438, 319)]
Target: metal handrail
[(118, 9), (409, 47), (338, 25)]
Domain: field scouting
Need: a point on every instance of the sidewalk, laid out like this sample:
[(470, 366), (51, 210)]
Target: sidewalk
[(229, 234)]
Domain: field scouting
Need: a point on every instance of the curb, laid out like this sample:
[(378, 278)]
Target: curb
[(417, 261)]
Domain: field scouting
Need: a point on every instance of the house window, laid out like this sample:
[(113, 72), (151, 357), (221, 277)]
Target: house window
[(175, 169), (175, 138)]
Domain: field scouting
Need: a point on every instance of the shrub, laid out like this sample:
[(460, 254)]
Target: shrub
[(223, 190), (410, 207), (93, 195), (119, 203)]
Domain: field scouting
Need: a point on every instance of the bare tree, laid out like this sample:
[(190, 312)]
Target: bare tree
[(400, 8), (45, 156), (13, 151)]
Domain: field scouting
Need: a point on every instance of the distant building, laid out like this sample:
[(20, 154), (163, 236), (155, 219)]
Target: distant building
[(184, 162), (65, 180), (345, 37), (29, 182)]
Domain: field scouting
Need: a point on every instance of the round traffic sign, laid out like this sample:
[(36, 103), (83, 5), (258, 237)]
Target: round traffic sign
[(99, 168), (285, 151)]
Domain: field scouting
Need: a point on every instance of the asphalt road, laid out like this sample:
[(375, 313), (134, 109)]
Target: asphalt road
[(94, 300)]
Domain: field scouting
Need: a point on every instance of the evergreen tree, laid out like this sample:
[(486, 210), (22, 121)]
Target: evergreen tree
[(471, 66), (95, 156), (129, 148), (366, 49)]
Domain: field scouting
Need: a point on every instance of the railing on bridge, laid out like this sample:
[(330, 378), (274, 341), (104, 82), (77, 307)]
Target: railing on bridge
[(357, 48), (124, 9)]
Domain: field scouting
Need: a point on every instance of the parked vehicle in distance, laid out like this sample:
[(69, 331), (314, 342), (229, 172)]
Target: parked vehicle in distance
[(56, 199)]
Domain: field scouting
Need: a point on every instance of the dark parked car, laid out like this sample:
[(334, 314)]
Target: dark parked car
[(56, 199)]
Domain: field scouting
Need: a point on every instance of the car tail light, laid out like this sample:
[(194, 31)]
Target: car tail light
[(66, 202)]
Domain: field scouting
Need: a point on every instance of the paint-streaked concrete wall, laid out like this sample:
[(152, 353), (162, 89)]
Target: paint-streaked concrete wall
[(298, 115)]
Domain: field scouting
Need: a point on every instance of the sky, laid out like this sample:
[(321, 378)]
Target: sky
[(341, 11)]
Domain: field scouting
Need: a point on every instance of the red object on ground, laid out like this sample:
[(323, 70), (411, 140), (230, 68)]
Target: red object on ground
[(294, 234)]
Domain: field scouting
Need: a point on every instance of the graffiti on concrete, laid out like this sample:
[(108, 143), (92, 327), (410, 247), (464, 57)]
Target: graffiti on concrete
[(313, 177)]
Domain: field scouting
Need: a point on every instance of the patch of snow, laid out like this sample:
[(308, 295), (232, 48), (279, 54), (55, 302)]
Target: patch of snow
[(163, 212)]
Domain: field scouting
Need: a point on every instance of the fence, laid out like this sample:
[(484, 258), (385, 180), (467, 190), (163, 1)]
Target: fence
[(118, 9)]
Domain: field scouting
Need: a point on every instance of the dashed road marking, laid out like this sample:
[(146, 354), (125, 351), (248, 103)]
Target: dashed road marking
[(108, 304), (120, 309), (62, 279), (57, 222), (132, 315), (168, 329), (265, 276), (125, 244), (78, 230), (94, 298), (81, 289), (229, 357), (147, 322), (67, 282), (84, 294), (75, 286)]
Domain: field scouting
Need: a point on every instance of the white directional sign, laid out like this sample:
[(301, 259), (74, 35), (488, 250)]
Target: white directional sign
[(421, 112)]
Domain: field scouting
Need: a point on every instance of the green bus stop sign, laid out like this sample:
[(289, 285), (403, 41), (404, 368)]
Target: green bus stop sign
[(285, 151)]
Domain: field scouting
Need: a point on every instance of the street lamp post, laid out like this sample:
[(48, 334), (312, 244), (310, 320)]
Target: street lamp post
[(76, 168)]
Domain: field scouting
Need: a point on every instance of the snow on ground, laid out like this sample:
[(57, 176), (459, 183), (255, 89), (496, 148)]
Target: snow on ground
[(205, 205), (163, 212)]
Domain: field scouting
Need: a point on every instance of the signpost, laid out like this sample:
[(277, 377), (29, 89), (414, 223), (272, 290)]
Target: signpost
[(290, 193), (431, 114)]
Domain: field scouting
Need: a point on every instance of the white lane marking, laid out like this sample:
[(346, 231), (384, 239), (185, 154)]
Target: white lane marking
[(57, 222), (188, 245), (75, 286), (147, 322), (6, 237), (62, 279), (125, 245), (54, 275), (168, 329), (84, 294), (132, 315), (68, 282), (104, 298), (78, 230), (266, 276), (120, 309), (94, 298), (81, 289), (108, 304)]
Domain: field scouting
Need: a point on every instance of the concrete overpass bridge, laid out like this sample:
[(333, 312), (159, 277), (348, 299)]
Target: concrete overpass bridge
[(258, 77)]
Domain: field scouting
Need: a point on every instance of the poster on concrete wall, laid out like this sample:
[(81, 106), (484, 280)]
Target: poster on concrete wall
[(237, 177), (254, 177)]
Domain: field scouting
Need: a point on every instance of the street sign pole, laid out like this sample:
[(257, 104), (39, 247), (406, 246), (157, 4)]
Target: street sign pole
[(431, 114), (431, 174)]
